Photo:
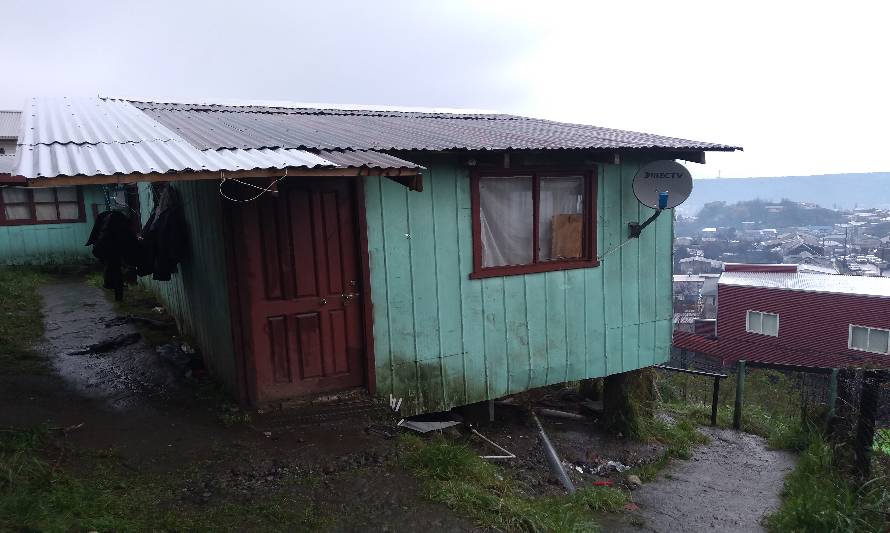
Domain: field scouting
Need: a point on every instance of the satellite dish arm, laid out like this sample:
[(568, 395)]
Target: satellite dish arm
[(636, 228)]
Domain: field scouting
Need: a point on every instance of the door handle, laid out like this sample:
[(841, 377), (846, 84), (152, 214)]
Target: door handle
[(322, 301), (349, 296)]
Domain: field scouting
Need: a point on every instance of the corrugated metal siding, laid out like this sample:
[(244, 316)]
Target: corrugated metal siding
[(813, 327), (198, 295), (213, 127), (9, 124), (442, 339), (46, 244)]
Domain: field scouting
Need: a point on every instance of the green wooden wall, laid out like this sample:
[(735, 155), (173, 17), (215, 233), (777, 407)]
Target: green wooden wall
[(49, 244), (197, 296), (443, 340)]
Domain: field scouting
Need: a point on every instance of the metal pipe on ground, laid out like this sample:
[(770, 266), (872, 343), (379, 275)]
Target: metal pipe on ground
[(553, 459), (553, 413)]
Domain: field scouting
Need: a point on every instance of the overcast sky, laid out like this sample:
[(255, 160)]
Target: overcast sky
[(804, 87)]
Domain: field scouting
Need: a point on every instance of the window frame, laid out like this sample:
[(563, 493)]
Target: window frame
[(868, 335), (589, 243), (32, 208), (748, 323)]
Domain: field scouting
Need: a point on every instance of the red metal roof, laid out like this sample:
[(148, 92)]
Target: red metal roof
[(813, 327)]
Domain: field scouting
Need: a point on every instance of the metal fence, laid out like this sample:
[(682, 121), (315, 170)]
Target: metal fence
[(853, 405)]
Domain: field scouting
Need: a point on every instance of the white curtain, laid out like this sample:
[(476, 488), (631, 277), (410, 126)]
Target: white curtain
[(558, 196), (507, 219)]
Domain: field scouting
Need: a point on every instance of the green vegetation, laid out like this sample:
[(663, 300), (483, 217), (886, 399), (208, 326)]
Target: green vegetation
[(38, 494), (819, 495), (772, 405), (21, 324), (678, 437), (791, 214), (818, 498), (455, 475)]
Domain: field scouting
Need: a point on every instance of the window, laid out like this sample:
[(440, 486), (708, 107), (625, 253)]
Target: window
[(20, 206), (526, 222), (874, 340), (762, 323)]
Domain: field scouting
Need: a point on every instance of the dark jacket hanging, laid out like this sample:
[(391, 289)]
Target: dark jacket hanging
[(115, 244), (165, 236)]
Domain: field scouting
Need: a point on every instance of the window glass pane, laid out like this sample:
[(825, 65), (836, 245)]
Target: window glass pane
[(877, 340), (859, 338), (561, 234), (46, 212), (754, 321), (69, 211), (66, 194), (17, 212), (13, 195), (770, 324), (506, 219), (44, 195)]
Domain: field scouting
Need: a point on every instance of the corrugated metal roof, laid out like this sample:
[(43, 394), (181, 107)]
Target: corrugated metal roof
[(9, 124), (94, 136), (216, 126), (810, 282)]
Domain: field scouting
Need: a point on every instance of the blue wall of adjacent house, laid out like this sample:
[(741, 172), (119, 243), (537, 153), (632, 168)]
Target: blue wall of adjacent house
[(49, 244), (442, 339), (197, 296)]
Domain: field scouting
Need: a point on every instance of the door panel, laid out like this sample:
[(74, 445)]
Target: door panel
[(303, 281)]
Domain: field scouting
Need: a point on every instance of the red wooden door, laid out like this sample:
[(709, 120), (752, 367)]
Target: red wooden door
[(304, 289)]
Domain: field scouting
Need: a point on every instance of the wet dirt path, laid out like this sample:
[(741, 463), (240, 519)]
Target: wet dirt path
[(729, 485)]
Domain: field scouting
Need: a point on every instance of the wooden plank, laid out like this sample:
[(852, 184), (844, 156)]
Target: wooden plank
[(630, 265), (495, 338), (442, 184), (398, 281), (517, 334), (595, 325), (576, 319), (613, 236), (557, 354), (379, 289), (536, 320), (62, 181), (423, 242), (475, 379)]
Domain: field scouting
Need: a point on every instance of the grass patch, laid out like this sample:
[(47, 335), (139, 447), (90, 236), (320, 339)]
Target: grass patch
[(454, 475), (817, 497), (21, 324), (679, 439), (37, 494)]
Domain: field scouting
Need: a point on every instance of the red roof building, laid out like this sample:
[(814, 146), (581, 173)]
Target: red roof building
[(785, 317)]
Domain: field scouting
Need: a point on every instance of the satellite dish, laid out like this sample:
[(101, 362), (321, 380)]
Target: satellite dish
[(662, 184)]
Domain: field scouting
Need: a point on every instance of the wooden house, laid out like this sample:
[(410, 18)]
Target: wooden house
[(441, 258), (784, 315)]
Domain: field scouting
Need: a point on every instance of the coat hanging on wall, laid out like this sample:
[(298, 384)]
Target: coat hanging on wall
[(165, 234)]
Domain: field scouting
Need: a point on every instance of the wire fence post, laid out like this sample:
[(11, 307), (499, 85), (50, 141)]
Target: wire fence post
[(865, 426), (739, 393), (832, 394), (714, 401)]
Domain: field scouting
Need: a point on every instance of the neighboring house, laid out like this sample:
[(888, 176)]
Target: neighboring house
[(42, 226), (443, 258), (9, 131), (687, 292), (781, 316), (699, 265)]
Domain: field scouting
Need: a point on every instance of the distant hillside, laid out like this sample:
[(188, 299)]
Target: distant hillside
[(838, 191), (763, 214)]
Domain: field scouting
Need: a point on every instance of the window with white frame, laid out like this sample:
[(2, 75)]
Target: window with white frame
[(866, 339), (762, 323)]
